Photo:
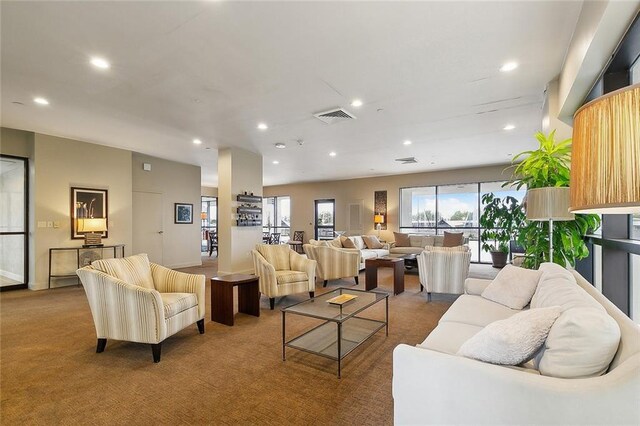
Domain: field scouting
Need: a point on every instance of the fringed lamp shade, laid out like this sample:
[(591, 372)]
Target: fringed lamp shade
[(605, 164)]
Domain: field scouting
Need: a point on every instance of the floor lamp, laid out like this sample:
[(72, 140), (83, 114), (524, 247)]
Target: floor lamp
[(548, 204)]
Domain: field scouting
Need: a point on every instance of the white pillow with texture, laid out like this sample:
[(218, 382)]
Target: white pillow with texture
[(558, 287), (512, 287), (511, 341)]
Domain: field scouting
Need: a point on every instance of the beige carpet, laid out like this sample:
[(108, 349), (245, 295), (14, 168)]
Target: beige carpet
[(50, 373)]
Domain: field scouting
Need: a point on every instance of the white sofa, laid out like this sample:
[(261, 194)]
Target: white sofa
[(433, 385), (418, 243), (365, 253)]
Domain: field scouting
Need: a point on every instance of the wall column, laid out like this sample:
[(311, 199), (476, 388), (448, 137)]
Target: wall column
[(238, 171)]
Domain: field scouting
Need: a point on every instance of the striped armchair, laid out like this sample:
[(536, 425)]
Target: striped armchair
[(334, 263), (134, 300), (282, 271), (444, 269)]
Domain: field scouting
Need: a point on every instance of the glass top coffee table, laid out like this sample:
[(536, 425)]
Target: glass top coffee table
[(342, 330)]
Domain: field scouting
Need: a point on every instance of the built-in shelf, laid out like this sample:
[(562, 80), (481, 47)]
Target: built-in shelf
[(249, 212)]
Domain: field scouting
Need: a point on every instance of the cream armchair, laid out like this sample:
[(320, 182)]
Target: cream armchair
[(334, 263), (444, 269), (134, 300), (282, 271)]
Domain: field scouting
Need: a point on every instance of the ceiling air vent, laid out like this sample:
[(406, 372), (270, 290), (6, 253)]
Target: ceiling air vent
[(334, 116), (407, 160)]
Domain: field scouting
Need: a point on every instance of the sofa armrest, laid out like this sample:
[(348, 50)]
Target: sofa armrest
[(475, 285), (437, 388), (169, 281), (302, 264)]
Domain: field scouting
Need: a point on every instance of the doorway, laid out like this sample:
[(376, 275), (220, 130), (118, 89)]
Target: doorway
[(148, 225), (325, 213), (14, 223), (209, 224)]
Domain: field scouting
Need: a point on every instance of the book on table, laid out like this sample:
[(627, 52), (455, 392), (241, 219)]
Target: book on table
[(342, 299)]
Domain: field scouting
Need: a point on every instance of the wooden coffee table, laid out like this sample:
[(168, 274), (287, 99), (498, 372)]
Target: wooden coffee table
[(371, 272), (222, 296)]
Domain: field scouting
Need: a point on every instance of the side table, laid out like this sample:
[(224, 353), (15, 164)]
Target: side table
[(371, 273), (222, 296)]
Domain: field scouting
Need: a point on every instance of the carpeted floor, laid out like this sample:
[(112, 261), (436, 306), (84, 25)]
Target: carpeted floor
[(50, 373)]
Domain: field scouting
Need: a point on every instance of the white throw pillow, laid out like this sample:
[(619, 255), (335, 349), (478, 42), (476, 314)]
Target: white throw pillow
[(511, 341), (558, 287), (512, 287)]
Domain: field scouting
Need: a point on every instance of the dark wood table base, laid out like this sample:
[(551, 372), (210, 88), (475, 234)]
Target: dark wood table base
[(222, 296), (371, 273)]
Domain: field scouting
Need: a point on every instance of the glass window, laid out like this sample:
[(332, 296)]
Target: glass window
[(635, 287), (635, 226), (418, 208), (276, 216)]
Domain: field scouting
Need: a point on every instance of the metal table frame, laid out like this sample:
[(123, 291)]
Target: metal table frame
[(115, 248)]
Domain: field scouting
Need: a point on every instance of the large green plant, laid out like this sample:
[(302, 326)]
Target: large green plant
[(549, 165), (502, 220)]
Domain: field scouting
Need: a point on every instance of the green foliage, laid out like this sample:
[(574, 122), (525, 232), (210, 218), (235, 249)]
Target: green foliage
[(547, 166), (501, 219), (460, 215)]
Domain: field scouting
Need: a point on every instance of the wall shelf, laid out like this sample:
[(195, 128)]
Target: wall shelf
[(249, 213)]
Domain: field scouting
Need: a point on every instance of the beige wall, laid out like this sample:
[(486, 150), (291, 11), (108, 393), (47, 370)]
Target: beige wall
[(178, 183), (208, 191), (350, 191)]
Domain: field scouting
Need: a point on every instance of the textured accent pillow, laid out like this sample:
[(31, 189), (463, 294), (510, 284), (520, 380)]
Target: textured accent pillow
[(372, 242), (513, 287), (402, 240), (514, 340), (452, 239), (134, 270), (347, 243), (335, 243)]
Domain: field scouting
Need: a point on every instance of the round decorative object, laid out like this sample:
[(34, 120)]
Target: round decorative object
[(88, 256)]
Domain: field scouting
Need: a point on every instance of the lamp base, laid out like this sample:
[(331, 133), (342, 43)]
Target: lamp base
[(92, 240)]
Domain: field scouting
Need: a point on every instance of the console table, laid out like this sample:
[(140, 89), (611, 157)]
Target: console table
[(117, 249)]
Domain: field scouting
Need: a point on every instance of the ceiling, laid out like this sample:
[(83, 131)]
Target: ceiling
[(425, 71)]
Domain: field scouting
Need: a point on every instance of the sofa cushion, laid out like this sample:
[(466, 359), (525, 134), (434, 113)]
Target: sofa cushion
[(514, 340), (174, 303), (475, 310), (417, 240), (581, 343), (276, 255), (368, 254), (378, 252), (402, 240), (134, 270), (513, 287), (558, 287), (347, 242), (358, 242), (452, 239), (447, 337), (406, 250), (288, 277), (371, 242), (437, 241)]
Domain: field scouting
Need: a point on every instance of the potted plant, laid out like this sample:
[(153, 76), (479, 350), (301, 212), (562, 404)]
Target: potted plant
[(501, 220), (549, 166)]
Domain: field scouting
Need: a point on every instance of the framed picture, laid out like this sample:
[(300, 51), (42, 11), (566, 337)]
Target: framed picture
[(183, 213), (88, 203)]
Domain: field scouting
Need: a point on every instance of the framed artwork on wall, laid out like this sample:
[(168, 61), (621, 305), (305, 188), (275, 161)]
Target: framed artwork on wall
[(88, 203), (183, 213), (380, 209)]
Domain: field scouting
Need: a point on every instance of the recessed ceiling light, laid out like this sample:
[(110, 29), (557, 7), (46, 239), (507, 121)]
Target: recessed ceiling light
[(262, 126), (41, 101), (332, 154), (509, 127), (509, 66), (509, 154), (276, 162), (407, 142), (197, 141), (100, 63), (280, 145), (356, 103)]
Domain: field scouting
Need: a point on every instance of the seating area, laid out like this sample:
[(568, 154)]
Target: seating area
[(320, 213)]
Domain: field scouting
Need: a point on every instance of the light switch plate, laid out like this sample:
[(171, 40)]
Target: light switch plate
[(56, 224), (49, 224), (42, 224)]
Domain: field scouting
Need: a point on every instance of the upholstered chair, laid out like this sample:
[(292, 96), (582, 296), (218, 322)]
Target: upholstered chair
[(282, 271), (134, 300), (444, 269), (334, 263)]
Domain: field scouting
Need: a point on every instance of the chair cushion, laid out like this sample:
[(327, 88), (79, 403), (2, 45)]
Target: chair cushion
[(288, 277), (475, 310), (452, 239), (513, 287), (276, 254), (372, 242), (174, 303), (134, 270)]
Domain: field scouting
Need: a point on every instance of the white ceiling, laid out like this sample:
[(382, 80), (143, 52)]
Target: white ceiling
[(426, 71)]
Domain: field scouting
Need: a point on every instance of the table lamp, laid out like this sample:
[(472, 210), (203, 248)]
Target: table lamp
[(378, 220), (551, 203), (92, 228)]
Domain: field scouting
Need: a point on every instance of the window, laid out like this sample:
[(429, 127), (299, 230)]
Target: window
[(325, 219), (276, 216), (435, 209), (635, 226)]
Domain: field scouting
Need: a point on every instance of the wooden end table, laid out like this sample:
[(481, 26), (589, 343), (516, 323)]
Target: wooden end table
[(222, 296), (371, 272)]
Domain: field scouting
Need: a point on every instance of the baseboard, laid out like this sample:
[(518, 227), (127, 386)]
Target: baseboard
[(183, 265)]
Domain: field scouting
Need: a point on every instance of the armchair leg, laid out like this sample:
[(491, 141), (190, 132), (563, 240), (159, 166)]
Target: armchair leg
[(272, 302), (428, 296), (200, 324), (312, 294), (356, 278), (155, 349), (102, 343), (325, 283)]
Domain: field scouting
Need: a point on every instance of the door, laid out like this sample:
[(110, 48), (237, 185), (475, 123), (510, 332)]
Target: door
[(148, 225), (14, 198), (325, 219)]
